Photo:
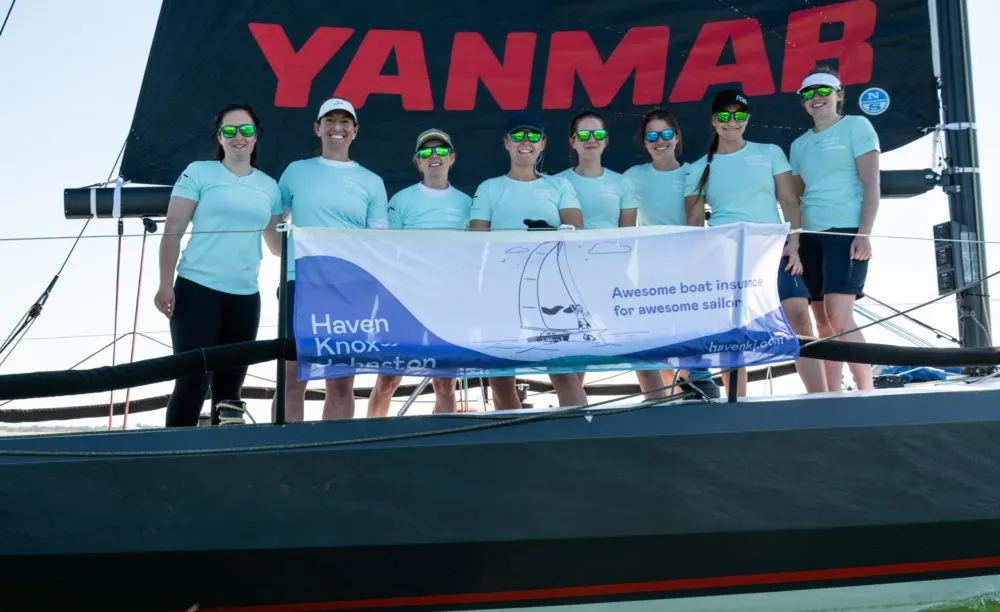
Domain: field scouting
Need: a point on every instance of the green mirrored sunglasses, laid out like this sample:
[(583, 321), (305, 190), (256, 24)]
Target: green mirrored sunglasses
[(823, 91), (725, 116), (519, 135), (229, 131), (586, 134), (425, 153)]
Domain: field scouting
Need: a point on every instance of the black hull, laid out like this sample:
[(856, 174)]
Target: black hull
[(650, 503)]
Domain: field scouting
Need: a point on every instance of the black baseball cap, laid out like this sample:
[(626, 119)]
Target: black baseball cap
[(525, 120), (729, 97)]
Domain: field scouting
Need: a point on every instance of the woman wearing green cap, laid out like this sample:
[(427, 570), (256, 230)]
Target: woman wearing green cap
[(431, 204), (509, 202)]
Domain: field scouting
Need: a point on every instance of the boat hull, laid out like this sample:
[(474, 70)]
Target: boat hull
[(483, 512)]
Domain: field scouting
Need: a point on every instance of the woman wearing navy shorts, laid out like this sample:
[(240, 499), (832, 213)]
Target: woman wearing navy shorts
[(744, 182), (835, 166)]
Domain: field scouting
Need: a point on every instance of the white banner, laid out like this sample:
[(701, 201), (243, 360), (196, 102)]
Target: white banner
[(450, 303)]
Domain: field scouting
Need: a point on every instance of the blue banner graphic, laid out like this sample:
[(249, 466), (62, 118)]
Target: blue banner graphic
[(456, 304)]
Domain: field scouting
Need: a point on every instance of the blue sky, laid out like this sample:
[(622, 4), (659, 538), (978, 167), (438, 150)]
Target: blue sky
[(70, 74)]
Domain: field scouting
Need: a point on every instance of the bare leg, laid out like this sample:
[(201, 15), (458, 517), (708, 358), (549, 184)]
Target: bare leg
[(834, 369), (339, 403), (381, 397), (811, 371), (504, 393), (569, 389), (840, 314), (444, 395), (295, 394)]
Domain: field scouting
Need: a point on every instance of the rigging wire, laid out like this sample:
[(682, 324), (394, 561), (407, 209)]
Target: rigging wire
[(114, 348), (9, 10), (35, 310), (148, 227)]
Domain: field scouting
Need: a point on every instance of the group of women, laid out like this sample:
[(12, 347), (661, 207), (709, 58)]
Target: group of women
[(828, 184)]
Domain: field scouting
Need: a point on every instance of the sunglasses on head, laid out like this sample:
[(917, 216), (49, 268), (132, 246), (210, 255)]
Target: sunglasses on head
[(667, 134), (587, 134), (425, 153), (725, 116), (520, 135), (822, 90), (229, 131)]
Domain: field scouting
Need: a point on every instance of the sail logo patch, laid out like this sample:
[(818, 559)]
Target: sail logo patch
[(874, 101)]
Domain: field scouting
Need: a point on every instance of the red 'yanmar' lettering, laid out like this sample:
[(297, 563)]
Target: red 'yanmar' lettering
[(364, 76), (643, 50), (296, 71), (854, 54), (509, 81), (701, 70)]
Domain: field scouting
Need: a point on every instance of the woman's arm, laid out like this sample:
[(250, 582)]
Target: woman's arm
[(179, 213), (694, 205)]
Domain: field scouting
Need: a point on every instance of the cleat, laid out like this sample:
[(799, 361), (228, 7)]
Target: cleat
[(231, 412)]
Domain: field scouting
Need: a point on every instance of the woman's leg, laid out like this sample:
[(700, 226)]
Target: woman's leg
[(569, 389), (196, 323), (240, 322), (444, 395), (504, 393), (381, 397)]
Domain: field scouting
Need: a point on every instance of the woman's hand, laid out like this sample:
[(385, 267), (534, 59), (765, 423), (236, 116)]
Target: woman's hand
[(164, 300), (794, 266)]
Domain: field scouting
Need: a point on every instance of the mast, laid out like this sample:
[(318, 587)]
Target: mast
[(963, 185)]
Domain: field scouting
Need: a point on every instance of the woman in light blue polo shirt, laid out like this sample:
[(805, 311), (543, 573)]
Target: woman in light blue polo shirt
[(606, 198), (215, 298), (836, 170), (506, 203), (744, 182), (659, 190), (433, 203), (329, 190)]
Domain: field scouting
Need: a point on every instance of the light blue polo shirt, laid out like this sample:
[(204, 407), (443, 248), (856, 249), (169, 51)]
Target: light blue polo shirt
[(422, 207), (319, 192), (506, 203), (602, 198), (659, 194), (741, 184), (827, 163), (224, 250)]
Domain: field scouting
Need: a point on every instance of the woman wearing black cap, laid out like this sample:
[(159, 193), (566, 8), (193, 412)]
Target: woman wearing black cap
[(510, 202), (744, 182)]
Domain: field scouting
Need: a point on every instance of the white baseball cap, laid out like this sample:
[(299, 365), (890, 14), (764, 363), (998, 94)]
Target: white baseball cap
[(334, 104), (820, 78)]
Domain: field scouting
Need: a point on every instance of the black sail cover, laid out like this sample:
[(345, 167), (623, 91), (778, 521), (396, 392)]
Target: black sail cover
[(463, 66)]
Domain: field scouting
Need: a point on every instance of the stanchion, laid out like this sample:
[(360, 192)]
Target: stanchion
[(279, 398)]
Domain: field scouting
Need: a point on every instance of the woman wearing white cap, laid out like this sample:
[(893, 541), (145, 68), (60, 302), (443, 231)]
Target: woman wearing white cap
[(744, 182), (432, 204), (506, 203), (836, 171), (327, 191)]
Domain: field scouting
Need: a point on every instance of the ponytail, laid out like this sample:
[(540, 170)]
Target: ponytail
[(713, 148)]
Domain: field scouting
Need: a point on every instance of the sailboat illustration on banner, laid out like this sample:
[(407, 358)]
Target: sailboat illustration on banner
[(549, 301)]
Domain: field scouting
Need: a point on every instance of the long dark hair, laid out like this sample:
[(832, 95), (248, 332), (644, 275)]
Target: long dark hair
[(219, 153), (659, 113), (713, 148)]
